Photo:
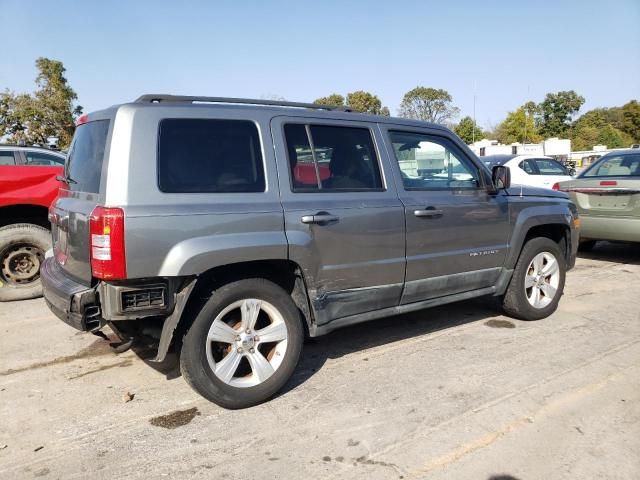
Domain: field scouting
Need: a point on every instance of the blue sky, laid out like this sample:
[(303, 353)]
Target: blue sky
[(511, 50)]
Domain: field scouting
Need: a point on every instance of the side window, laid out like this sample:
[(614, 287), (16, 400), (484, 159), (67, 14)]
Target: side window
[(209, 156), (42, 159), (547, 166), (428, 162), (528, 166), (332, 158), (7, 158)]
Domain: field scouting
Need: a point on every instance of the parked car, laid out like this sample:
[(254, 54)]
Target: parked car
[(607, 195), (28, 185), (188, 218), (537, 171)]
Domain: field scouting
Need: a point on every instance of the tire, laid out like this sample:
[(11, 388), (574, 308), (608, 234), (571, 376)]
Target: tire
[(586, 246), (521, 302), (22, 249), (225, 315)]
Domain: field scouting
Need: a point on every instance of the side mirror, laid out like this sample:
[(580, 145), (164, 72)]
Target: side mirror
[(572, 172), (501, 177)]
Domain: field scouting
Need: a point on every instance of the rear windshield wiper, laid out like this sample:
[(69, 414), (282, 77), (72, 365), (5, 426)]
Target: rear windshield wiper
[(66, 179)]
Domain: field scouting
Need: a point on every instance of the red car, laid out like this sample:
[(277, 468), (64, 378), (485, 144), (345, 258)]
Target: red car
[(28, 186)]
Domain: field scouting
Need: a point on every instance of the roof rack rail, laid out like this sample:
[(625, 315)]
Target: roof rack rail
[(151, 98)]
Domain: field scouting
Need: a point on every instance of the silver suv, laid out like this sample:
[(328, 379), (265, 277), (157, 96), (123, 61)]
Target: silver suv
[(230, 229)]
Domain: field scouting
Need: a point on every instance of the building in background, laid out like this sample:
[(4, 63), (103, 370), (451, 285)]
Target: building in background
[(558, 148)]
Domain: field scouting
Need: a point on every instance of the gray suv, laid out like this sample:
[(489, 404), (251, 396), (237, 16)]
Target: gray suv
[(230, 229)]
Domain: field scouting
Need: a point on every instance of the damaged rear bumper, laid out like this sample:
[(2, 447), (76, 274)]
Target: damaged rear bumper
[(73, 303)]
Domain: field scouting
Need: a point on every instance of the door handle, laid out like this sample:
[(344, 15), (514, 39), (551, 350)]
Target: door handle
[(429, 212), (320, 218)]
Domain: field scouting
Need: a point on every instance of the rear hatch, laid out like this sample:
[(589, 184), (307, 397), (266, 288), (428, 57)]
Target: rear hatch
[(610, 187), (71, 211), (598, 197)]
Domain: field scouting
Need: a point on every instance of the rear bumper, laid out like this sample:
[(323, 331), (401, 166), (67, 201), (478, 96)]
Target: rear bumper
[(73, 303), (623, 229)]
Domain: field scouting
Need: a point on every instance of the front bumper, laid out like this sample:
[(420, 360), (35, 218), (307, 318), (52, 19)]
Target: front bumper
[(73, 303)]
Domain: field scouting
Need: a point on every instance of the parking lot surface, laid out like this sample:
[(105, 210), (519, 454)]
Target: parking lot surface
[(452, 392)]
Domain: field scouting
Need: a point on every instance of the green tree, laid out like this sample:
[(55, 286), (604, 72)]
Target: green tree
[(601, 126), (468, 131), (631, 120), (366, 102), (359, 101), (334, 100), (556, 112), (428, 104), (519, 126), (614, 138), (49, 112)]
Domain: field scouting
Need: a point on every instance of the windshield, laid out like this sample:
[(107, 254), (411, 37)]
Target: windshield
[(615, 166)]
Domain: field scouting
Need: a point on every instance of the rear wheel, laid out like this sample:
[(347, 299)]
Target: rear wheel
[(22, 249), (537, 282), (243, 345)]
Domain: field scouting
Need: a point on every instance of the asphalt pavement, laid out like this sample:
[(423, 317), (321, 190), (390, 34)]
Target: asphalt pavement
[(455, 392)]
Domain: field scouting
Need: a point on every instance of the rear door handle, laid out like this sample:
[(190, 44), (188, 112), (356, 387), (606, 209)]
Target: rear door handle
[(429, 212), (320, 218)]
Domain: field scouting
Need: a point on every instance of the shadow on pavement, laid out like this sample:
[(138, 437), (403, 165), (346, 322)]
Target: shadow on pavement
[(624, 253), (381, 332)]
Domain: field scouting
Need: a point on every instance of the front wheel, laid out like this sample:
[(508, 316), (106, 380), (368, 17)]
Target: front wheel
[(243, 345), (537, 282)]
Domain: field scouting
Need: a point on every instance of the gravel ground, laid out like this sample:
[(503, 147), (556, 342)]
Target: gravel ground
[(452, 392)]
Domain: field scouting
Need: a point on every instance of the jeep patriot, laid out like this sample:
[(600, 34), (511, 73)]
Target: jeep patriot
[(230, 229)]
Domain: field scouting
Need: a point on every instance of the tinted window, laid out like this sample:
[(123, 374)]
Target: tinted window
[(84, 165), (428, 162), (342, 158), (43, 159), (7, 158), (615, 166), (528, 166), (546, 166), (209, 156)]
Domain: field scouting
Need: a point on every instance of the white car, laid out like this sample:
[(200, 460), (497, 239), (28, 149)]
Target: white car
[(533, 170)]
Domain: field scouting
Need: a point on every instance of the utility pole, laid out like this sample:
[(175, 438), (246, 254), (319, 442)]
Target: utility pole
[(473, 135)]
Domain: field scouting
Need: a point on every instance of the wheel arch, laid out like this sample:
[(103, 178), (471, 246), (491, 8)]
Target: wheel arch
[(283, 272), (540, 222), (24, 213)]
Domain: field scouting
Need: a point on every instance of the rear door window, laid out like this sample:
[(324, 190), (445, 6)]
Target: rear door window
[(528, 166), (7, 158), (331, 158), (209, 156), (84, 165), (43, 159)]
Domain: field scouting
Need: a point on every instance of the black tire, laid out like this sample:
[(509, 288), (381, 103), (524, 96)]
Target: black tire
[(515, 302), (33, 241), (193, 357), (586, 246)]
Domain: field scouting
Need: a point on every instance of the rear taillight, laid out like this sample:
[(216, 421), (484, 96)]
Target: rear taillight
[(608, 183), (106, 240), (556, 186)]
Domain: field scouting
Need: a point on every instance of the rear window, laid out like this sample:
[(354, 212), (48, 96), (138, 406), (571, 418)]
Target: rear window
[(84, 165), (43, 159), (615, 166), (327, 158), (209, 156)]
